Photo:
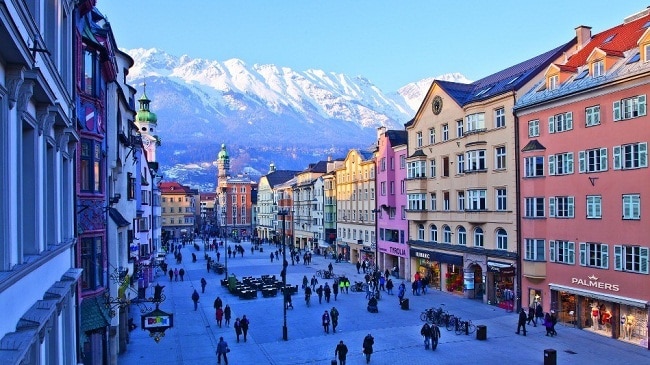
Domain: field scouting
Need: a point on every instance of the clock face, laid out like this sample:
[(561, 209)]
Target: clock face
[(146, 142), (436, 105)]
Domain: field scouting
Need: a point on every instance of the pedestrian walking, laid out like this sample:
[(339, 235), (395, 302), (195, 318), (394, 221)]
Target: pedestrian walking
[(548, 324), (176, 274), (553, 323), (531, 317), (330, 268), (334, 315), (358, 267), (389, 286), (368, 342), (326, 322), (539, 312), (222, 351), (313, 282), (522, 321), (181, 272), (219, 316), (226, 314), (335, 289), (195, 299), (305, 281), (208, 263), (426, 332), (341, 351), (319, 292), (171, 274), (203, 284), (217, 303), (244, 326), (218, 256), (328, 293), (435, 336), (237, 327)]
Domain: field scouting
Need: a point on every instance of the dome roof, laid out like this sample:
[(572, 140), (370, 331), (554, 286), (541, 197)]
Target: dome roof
[(223, 155), (145, 116)]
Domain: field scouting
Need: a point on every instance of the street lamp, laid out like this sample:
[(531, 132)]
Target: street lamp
[(283, 214)]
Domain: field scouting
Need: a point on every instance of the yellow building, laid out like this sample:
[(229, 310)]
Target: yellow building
[(178, 210)]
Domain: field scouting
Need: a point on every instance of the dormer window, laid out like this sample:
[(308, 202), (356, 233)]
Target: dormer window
[(598, 68), (646, 52), (553, 82)]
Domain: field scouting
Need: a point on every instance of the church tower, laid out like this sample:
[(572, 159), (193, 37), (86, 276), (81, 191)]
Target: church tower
[(147, 121), (223, 167)]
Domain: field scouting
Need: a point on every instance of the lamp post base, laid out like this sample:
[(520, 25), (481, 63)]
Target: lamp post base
[(285, 335)]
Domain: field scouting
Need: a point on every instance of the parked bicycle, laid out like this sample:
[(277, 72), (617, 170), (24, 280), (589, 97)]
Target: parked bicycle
[(326, 274), (465, 327), (357, 286), (433, 316)]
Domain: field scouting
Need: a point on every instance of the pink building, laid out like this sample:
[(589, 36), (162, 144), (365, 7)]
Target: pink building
[(392, 225), (583, 135)]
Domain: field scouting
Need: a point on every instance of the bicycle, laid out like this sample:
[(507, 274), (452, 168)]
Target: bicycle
[(465, 327), (452, 322)]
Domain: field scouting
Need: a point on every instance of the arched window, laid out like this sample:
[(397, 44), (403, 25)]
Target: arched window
[(433, 233), (446, 234), (478, 237), (421, 232), (461, 234), (502, 239)]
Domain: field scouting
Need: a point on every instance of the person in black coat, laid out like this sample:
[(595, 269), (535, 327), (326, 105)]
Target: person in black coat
[(342, 352), (368, 342), (522, 321)]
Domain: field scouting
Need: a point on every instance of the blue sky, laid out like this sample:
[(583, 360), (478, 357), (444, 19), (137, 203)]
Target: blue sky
[(391, 43)]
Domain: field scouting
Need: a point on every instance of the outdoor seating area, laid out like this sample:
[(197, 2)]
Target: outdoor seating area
[(248, 286)]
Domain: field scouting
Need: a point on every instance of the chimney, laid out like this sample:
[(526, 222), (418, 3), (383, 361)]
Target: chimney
[(381, 131), (583, 33)]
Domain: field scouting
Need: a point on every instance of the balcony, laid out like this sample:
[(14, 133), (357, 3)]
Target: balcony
[(416, 215), (534, 269)]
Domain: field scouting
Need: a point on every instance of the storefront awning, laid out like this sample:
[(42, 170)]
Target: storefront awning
[(323, 244), (601, 296)]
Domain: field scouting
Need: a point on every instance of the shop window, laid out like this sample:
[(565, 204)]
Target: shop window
[(454, 278)]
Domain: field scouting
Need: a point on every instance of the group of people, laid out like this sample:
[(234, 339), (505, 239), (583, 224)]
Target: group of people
[(221, 312), (176, 273), (341, 350), (535, 314)]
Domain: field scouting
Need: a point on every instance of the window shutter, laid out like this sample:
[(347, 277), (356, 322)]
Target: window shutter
[(617, 110), (571, 202), (551, 165), (618, 257), (572, 252), (643, 259), (642, 105), (568, 121), (643, 154), (551, 124), (603, 159), (569, 168), (583, 254), (604, 251), (551, 207), (581, 162), (617, 157), (551, 251)]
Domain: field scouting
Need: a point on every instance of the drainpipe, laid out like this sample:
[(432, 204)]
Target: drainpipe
[(518, 250)]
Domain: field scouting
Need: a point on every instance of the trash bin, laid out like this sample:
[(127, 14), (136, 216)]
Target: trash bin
[(550, 357), (404, 304), (333, 362), (481, 332)]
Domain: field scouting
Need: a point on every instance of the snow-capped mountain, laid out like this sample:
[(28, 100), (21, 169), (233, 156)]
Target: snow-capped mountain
[(265, 112)]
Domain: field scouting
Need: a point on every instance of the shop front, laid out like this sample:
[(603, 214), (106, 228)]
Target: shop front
[(393, 256), (443, 271), (501, 285), (342, 251), (622, 318)]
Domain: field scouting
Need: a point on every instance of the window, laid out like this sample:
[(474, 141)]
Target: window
[(560, 164), (561, 206), (594, 207), (534, 250), (534, 208), (432, 135), (460, 163), (418, 137), (475, 122), (500, 118), (459, 128), (592, 115), (89, 72), (91, 171), (432, 167), (383, 164), (630, 108), (416, 169), (476, 199), (92, 263), (445, 166), (402, 162), (392, 163), (534, 166), (562, 251), (533, 128), (462, 236), (461, 200), (502, 239), (392, 188), (646, 51), (553, 82), (631, 258), (632, 206), (560, 122), (434, 202), (501, 199), (476, 161), (383, 188), (446, 234), (402, 188), (416, 201), (500, 158), (421, 232), (598, 68), (478, 237), (594, 255), (592, 160), (445, 201), (631, 156), (433, 233), (445, 132)]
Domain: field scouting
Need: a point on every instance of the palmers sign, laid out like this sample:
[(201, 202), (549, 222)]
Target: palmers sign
[(592, 282)]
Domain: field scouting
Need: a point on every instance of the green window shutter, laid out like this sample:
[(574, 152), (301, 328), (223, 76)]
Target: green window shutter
[(581, 162), (568, 121), (569, 168), (643, 154), (643, 259), (603, 159), (551, 251), (551, 207), (642, 105), (583, 254), (572, 253), (617, 157), (571, 201), (604, 250), (551, 124), (617, 110), (551, 165), (618, 257)]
